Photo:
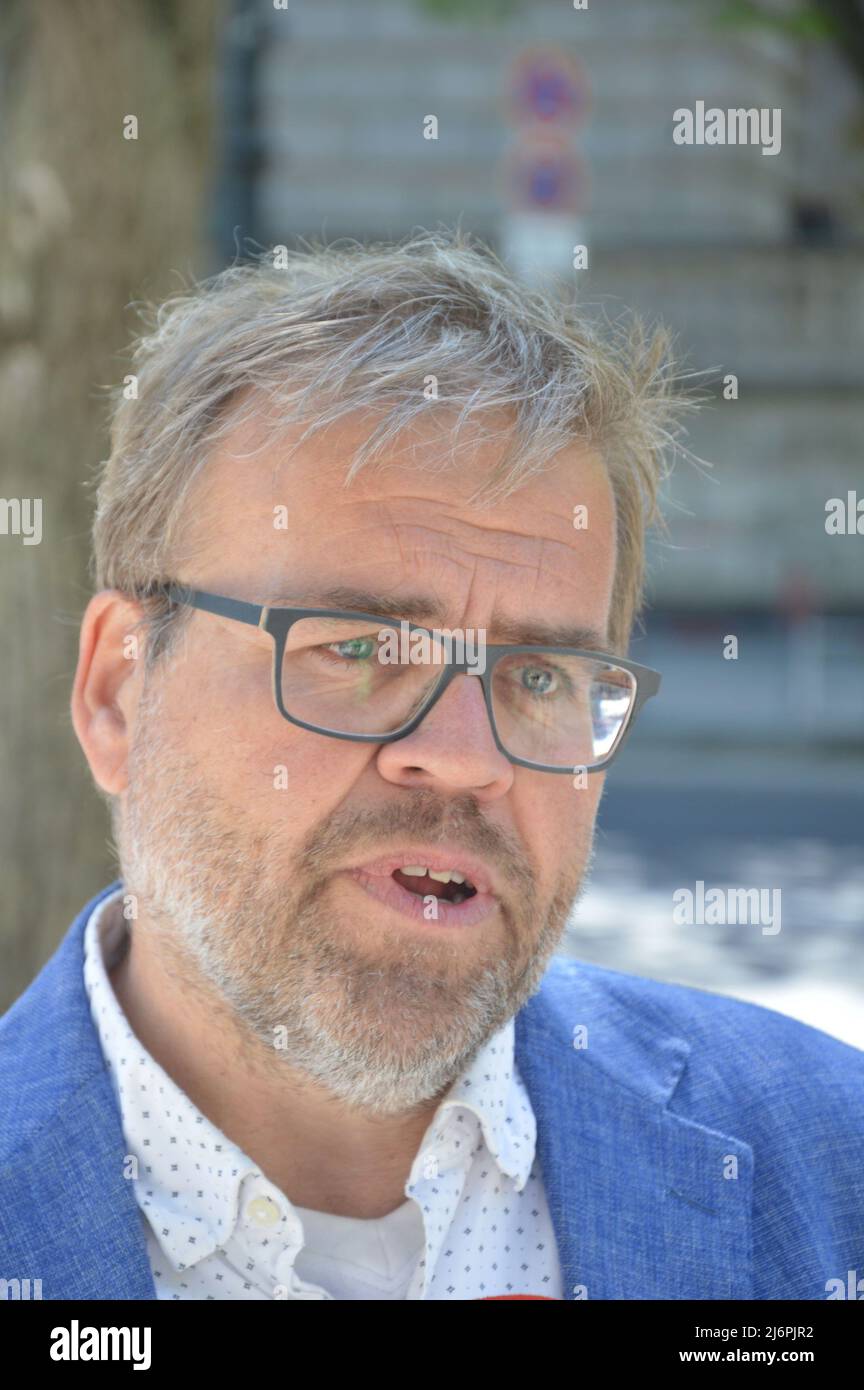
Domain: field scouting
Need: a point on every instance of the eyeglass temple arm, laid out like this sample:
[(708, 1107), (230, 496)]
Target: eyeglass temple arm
[(214, 603)]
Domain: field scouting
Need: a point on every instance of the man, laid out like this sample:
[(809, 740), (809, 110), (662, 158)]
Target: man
[(315, 1042)]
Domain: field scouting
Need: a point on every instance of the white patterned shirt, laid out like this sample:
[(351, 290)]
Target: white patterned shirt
[(474, 1223)]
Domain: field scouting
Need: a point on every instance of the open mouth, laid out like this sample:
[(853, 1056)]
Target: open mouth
[(451, 885)]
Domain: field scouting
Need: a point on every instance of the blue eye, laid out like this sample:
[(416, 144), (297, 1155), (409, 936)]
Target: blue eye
[(538, 680)]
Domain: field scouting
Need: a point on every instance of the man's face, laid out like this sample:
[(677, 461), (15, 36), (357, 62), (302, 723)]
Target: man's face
[(238, 827)]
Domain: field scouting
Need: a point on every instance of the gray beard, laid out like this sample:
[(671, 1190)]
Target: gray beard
[(383, 1034)]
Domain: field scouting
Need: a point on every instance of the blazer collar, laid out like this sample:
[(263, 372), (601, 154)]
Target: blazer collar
[(638, 1195)]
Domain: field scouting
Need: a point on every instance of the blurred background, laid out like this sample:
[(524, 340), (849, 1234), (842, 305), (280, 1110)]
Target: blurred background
[(539, 127)]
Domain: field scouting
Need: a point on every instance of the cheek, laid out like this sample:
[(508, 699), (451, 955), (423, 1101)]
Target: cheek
[(290, 779), (558, 820), (297, 778), (227, 728)]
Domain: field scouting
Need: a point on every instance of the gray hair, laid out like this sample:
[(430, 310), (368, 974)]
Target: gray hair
[(325, 331)]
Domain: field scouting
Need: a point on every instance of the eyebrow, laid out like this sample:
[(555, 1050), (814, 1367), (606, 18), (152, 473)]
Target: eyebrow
[(427, 612)]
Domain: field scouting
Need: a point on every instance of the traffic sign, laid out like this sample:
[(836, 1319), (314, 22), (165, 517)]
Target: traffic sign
[(545, 175), (549, 85)]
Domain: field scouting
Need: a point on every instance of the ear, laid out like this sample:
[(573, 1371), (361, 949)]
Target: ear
[(107, 685)]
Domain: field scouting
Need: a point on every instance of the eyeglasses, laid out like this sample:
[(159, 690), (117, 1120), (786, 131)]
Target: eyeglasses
[(552, 709)]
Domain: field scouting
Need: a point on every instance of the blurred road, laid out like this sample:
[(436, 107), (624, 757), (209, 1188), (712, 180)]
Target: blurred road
[(758, 819)]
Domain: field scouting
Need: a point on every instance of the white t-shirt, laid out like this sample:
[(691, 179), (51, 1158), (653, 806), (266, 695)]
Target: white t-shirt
[(355, 1258)]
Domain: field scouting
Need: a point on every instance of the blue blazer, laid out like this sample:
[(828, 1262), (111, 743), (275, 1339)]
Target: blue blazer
[(697, 1147)]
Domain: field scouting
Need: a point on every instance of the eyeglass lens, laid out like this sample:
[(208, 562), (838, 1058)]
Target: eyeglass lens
[(346, 676)]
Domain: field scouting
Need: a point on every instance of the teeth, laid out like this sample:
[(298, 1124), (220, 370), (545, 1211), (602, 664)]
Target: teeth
[(440, 876)]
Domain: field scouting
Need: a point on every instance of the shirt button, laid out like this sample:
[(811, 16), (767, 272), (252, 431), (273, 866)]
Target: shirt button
[(263, 1211), (430, 1164)]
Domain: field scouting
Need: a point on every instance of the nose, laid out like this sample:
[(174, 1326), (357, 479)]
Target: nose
[(452, 748)]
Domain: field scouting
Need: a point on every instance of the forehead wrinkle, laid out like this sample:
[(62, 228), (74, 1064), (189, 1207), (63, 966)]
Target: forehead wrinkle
[(409, 552), (397, 537), (451, 545), (476, 521)]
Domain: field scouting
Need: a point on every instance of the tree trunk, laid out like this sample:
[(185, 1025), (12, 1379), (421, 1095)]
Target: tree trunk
[(89, 221)]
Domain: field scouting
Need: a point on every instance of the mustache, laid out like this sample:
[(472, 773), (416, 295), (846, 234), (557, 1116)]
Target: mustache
[(419, 815)]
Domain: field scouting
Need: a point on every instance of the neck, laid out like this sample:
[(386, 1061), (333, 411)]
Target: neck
[(319, 1152)]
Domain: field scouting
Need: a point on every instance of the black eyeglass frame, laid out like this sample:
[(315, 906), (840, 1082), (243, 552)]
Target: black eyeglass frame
[(278, 621)]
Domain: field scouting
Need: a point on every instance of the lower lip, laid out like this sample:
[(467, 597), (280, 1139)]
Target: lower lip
[(387, 891)]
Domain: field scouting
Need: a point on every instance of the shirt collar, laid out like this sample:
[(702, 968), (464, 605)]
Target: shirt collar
[(188, 1174), (489, 1094)]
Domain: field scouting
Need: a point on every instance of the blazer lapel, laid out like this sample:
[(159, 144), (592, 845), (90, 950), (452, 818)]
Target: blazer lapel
[(67, 1214), (637, 1194)]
